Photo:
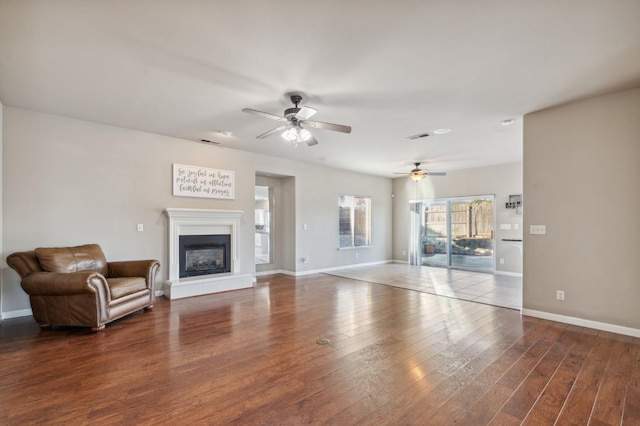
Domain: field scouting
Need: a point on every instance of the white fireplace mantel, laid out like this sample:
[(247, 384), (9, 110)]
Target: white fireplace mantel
[(203, 222)]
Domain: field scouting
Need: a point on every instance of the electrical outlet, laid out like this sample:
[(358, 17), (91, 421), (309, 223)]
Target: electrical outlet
[(356, 255), (140, 227), (404, 252), (304, 260), (559, 294), (537, 229), (502, 261)]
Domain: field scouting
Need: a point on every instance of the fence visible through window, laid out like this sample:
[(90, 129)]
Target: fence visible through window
[(354, 214)]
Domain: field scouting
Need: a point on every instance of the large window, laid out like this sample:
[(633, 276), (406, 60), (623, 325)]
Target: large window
[(355, 220)]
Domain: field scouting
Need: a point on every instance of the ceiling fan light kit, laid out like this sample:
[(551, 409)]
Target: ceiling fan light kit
[(297, 134), (416, 176), (296, 117)]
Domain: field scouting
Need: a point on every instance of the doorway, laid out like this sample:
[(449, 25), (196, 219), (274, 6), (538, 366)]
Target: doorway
[(274, 219), (263, 224), (454, 233)]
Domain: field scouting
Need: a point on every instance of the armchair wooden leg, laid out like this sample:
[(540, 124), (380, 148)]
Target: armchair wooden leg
[(98, 329), (44, 326), (148, 308)]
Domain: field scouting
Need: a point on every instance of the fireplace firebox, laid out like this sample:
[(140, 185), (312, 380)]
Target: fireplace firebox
[(204, 255)]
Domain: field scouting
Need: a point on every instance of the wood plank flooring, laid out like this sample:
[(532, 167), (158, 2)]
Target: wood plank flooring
[(395, 356)]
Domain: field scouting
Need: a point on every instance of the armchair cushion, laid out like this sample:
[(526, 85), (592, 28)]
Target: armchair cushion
[(88, 257), (124, 286)]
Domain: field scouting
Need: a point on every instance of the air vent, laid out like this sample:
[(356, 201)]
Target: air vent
[(418, 136), (207, 141)]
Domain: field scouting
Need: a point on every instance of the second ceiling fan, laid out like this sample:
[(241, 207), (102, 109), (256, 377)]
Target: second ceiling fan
[(296, 118), (417, 173)]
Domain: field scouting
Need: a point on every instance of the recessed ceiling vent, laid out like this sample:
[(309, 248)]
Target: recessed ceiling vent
[(207, 141), (418, 136)]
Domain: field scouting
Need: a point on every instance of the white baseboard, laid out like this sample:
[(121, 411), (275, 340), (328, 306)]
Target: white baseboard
[(400, 261), (613, 328), (17, 314), (273, 272), (509, 274)]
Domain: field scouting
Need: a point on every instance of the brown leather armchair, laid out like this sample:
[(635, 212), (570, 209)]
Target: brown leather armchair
[(76, 286)]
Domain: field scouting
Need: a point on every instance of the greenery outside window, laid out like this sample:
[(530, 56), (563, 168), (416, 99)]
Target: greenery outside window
[(355, 220)]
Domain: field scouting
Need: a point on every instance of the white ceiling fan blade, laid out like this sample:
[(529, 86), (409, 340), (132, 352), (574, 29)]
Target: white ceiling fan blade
[(436, 173), (271, 132), (329, 126), (305, 113), (311, 141), (264, 114)]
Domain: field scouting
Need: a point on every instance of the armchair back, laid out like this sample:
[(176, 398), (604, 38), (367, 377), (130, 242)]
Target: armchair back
[(88, 257)]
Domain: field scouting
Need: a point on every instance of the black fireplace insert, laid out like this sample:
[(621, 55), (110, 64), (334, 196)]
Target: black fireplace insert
[(204, 255)]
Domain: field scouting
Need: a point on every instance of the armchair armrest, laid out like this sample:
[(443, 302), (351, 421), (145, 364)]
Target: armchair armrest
[(64, 284), (135, 268)]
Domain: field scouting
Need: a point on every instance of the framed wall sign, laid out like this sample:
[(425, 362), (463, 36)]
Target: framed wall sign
[(194, 181)]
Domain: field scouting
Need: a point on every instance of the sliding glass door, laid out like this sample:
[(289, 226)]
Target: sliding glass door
[(454, 232), (472, 233), (435, 233)]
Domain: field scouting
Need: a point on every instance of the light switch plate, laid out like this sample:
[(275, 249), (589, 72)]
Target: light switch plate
[(140, 227)]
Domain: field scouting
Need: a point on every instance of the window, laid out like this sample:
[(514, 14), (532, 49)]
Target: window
[(355, 220)]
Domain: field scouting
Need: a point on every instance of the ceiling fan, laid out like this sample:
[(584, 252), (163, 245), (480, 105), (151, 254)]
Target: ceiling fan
[(296, 117), (418, 173)]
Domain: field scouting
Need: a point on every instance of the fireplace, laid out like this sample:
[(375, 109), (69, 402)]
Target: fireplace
[(204, 255)]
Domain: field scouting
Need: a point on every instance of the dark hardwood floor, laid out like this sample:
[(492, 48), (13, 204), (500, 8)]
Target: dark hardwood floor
[(395, 356)]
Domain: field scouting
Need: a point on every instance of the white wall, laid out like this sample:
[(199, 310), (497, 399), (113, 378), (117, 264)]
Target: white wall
[(3, 263), (70, 182), (581, 180), (501, 180), (318, 208)]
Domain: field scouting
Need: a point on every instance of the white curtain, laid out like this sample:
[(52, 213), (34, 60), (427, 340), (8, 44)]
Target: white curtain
[(415, 256)]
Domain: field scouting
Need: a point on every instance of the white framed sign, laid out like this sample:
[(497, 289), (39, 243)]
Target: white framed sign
[(194, 181)]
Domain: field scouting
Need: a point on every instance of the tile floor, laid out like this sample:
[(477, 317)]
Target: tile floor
[(490, 289)]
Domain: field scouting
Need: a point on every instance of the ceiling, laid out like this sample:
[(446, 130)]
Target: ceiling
[(388, 69)]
